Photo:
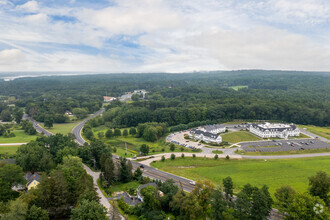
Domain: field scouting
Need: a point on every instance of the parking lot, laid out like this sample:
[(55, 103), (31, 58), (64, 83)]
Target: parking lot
[(284, 145), (178, 138)]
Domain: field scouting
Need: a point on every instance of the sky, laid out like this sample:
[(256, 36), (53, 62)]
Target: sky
[(164, 35)]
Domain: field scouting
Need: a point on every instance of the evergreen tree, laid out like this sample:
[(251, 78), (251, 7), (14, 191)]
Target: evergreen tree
[(228, 186), (109, 167), (218, 205)]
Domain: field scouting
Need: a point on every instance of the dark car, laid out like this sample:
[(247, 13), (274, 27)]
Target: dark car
[(141, 166)]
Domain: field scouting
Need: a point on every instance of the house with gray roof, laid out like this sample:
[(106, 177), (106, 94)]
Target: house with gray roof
[(205, 136), (214, 129)]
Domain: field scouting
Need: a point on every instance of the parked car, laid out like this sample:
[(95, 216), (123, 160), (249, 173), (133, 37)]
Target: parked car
[(192, 183)]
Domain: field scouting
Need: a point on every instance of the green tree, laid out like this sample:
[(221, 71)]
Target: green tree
[(284, 196), (137, 174), (6, 115), (216, 156), (100, 135), (228, 186), (191, 208), (125, 174), (302, 207), (169, 189), (31, 157), (319, 185), (150, 134), (150, 198), (80, 112), (182, 155), (218, 204), (18, 114), (117, 132), (17, 210), (10, 175), (109, 170), (172, 147), (48, 121), (53, 195), (172, 156), (89, 210), (109, 133), (135, 97), (132, 131), (37, 213), (261, 206), (144, 149), (125, 133), (242, 206), (163, 158)]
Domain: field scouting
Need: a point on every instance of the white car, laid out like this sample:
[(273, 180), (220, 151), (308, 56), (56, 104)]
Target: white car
[(192, 183)]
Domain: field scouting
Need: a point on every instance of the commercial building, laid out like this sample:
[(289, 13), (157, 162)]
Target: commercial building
[(271, 130)]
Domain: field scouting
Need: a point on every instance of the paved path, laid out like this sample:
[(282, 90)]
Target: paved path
[(12, 144), (168, 155), (313, 135)]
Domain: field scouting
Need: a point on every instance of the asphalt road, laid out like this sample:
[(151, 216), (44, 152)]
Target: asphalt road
[(77, 130), (37, 126)]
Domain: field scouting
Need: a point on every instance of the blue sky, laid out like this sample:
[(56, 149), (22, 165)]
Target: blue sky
[(164, 35)]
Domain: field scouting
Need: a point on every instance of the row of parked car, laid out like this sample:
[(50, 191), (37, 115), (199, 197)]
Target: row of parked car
[(169, 138)]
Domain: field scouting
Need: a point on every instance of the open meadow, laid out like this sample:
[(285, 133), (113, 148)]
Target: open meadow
[(20, 137), (273, 173)]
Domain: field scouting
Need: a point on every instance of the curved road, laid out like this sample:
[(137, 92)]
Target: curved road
[(77, 130)]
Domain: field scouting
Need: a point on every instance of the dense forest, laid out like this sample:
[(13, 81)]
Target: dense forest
[(176, 99)]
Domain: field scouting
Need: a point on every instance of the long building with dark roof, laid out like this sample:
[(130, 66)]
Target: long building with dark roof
[(270, 130)]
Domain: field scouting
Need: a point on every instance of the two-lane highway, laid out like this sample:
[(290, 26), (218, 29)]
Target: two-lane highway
[(77, 130)]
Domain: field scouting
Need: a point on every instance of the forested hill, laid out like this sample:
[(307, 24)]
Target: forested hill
[(299, 97)]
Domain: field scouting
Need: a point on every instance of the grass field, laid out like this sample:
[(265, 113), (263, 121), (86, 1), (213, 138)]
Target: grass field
[(9, 150), (134, 144), (242, 152), (273, 173), (217, 152), (238, 87), (321, 131), (62, 128), (239, 136), (21, 137)]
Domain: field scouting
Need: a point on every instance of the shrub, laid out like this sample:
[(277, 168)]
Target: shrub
[(227, 157), (194, 155), (163, 158), (172, 147), (182, 149), (182, 155), (216, 156), (172, 156)]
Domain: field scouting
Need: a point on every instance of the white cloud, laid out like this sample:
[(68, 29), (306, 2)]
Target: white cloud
[(30, 6), (132, 17), (11, 56), (169, 35)]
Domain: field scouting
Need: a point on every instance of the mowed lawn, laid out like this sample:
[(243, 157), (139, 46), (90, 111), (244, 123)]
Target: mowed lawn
[(239, 136), (321, 131), (64, 128), (10, 150), (273, 173), (21, 137)]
